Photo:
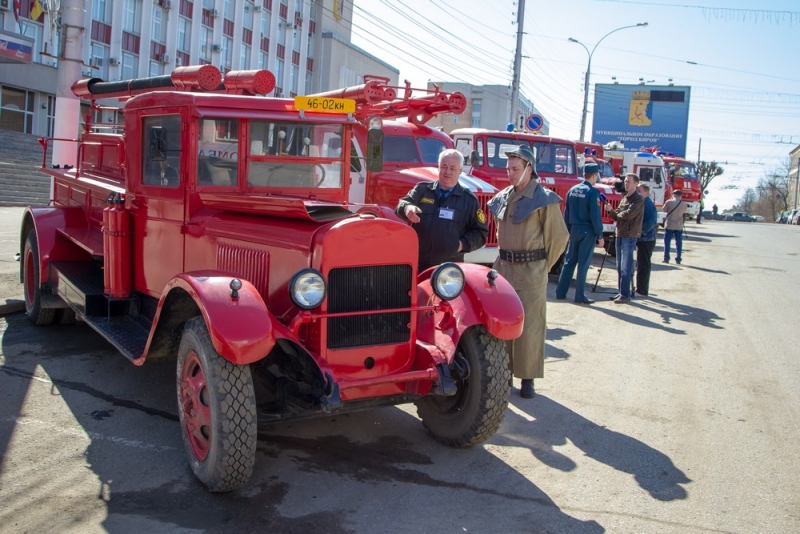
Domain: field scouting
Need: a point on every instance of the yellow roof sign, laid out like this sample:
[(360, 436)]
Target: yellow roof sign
[(325, 105)]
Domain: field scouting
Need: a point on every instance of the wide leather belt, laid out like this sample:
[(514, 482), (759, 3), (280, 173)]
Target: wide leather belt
[(514, 256)]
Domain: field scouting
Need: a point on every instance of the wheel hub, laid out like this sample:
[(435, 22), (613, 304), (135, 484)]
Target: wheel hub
[(193, 403)]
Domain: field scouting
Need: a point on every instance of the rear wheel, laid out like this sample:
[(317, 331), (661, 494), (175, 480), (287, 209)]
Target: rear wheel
[(32, 283), (65, 316), (217, 408), (475, 412)]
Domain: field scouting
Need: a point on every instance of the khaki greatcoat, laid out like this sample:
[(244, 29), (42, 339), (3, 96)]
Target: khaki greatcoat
[(529, 220)]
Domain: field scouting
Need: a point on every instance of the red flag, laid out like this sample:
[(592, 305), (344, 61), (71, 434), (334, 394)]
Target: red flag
[(17, 7)]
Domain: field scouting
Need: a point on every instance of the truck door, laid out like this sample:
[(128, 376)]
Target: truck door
[(158, 203), (654, 177)]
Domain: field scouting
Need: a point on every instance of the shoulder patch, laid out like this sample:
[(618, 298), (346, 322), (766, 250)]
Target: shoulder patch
[(426, 200), (481, 216)]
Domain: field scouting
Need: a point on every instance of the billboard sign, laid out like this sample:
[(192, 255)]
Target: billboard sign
[(642, 116)]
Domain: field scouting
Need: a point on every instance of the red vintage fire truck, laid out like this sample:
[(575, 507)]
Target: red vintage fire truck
[(556, 163), (214, 229), (411, 149), (683, 176)]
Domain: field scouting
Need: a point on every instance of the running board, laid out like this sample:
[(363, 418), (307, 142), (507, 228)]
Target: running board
[(80, 285)]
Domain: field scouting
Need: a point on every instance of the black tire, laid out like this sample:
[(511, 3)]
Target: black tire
[(217, 408), (475, 412), (65, 316), (32, 287)]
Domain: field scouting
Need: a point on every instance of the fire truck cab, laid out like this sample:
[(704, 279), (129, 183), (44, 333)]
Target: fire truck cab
[(683, 176), (214, 228), (556, 163), (650, 169)]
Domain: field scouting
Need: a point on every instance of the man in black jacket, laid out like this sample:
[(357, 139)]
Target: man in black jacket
[(446, 215)]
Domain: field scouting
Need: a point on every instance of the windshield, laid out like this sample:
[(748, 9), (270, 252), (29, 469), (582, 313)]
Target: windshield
[(287, 155), (606, 170), (552, 158), (496, 148), (686, 171)]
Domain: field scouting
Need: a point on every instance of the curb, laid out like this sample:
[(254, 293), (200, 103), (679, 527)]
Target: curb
[(12, 306)]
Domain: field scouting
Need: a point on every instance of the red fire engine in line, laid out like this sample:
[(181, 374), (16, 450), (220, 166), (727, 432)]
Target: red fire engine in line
[(213, 228), (649, 167), (683, 176), (556, 163), (411, 149)]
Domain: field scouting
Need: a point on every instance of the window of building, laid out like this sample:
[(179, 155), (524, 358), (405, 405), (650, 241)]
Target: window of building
[(309, 79), (98, 57), (51, 115), (310, 50), (278, 75), (244, 59), (101, 11), (227, 9), (16, 110), (263, 60), (184, 34), (266, 22), (476, 113), (247, 20), (296, 38), (226, 53), (156, 68), (132, 16), (130, 66), (293, 75), (205, 42), (159, 25)]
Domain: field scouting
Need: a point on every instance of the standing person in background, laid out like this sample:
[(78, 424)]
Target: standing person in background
[(646, 242), (629, 227), (446, 215), (714, 211), (700, 211), (532, 236), (675, 209), (585, 225)]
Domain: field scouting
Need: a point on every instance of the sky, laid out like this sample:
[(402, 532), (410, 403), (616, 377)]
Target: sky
[(741, 59)]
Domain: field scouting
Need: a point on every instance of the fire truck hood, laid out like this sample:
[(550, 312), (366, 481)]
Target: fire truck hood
[(278, 206), (430, 174)]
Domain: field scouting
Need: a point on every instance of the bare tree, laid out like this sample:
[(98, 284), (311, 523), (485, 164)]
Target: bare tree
[(706, 172), (748, 201)]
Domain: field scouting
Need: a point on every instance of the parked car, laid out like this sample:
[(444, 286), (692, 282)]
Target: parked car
[(782, 217), (742, 217), (708, 214), (758, 218), (793, 217)]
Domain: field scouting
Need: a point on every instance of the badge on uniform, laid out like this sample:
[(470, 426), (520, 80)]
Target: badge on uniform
[(426, 200), (481, 216), (446, 213)]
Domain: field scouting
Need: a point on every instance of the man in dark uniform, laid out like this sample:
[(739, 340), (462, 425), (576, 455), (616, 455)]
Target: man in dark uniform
[(446, 215), (585, 225)]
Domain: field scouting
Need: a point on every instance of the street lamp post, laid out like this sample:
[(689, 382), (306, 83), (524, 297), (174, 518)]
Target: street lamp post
[(589, 71)]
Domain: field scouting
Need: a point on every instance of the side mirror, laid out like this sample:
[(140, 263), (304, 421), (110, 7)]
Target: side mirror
[(374, 153), (474, 159), (158, 144)]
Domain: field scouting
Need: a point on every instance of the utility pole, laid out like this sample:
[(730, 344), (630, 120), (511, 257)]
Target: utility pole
[(699, 144), (517, 63), (70, 61)]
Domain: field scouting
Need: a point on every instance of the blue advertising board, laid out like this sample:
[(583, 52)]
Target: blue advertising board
[(642, 116)]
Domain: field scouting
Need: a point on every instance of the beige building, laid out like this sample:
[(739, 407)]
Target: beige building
[(488, 106), (305, 43), (794, 178)]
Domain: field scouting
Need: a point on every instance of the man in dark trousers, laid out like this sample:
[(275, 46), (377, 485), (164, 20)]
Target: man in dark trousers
[(646, 242), (585, 225), (446, 215)]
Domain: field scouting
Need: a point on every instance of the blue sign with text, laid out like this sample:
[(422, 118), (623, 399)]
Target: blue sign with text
[(642, 116)]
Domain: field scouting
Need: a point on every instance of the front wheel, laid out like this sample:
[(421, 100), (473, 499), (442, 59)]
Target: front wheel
[(475, 412), (217, 408)]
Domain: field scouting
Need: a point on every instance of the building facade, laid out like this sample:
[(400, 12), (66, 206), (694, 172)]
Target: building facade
[(305, 43), (488, 106)]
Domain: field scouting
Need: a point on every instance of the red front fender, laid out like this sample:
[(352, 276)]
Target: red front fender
[(242, 329), (497, 307)]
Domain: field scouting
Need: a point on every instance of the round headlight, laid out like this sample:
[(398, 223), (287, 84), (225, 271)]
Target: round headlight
[(447, 281), (307, 289)]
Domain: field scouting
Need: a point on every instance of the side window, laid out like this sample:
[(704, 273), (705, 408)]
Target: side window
[(400, 149), (161, 150), (217, 152), (355, 163)]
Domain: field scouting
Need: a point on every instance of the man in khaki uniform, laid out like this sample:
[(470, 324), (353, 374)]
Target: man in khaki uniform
[(532, 235)]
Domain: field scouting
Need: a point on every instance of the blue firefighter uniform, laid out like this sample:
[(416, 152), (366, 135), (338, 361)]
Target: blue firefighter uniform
[(582, 215)]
